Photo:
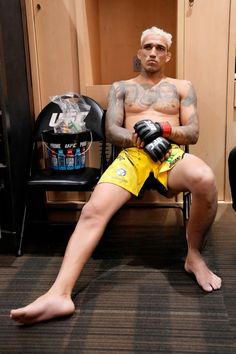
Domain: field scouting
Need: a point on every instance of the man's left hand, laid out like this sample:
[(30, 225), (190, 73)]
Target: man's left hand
[(148, 130)]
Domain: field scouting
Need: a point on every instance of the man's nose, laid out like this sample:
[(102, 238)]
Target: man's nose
[(153, 52)]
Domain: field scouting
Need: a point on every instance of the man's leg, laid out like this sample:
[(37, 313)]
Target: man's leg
[(194, 175), (104, 202)]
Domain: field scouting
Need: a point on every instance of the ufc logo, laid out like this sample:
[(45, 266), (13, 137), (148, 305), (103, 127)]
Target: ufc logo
[(54, 118)]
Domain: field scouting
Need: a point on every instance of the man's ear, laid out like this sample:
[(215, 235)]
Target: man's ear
[(139, 54), (168, 57)]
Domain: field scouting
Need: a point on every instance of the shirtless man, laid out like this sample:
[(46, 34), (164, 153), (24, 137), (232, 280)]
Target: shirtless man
[(150, 97)]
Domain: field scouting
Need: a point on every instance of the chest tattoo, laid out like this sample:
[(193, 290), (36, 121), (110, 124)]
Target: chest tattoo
[(163, 95)]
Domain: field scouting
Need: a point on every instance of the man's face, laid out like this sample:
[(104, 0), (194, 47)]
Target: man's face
[(153, 53)]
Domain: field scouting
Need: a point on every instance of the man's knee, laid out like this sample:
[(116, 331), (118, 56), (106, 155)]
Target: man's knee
[(204, 182), (91, 211)]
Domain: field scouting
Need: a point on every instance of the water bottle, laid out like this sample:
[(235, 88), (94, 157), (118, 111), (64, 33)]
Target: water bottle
[(53, 159), (69, 160), (82, 156), (77, 158), (61, 160)]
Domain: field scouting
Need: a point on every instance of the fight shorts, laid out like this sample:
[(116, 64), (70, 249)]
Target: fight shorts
[(135, 171)]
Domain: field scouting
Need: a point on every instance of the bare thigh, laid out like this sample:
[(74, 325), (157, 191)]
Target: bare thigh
[(107, 198)]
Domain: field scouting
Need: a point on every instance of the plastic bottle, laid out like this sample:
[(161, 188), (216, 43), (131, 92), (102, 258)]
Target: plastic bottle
[(61, 160), (77, 158), (53, 159), (69, 159), (82, 156)]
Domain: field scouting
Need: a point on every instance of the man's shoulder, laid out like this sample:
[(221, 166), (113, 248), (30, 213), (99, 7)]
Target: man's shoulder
[(182, 86), (118, 89), (121, 87), (123, 83), (179, 82)]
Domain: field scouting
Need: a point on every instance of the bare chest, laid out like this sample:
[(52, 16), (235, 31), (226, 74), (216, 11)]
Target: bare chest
[(162, 98)]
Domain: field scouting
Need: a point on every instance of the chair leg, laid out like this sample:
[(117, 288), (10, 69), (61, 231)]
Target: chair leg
[(188, 203), (186, 210), (19, 252)]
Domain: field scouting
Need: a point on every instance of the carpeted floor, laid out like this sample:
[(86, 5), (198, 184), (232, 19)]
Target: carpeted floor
[(133, 295)]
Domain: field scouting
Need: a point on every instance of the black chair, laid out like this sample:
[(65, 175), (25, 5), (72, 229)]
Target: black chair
[(44, 179)]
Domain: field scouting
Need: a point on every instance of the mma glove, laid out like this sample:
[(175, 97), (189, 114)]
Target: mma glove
[(148, 130), (158, 148)]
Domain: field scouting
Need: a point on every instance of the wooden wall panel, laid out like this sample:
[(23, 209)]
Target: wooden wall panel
[(205, 64), (121, 23), (54, 39), (116, 26), (231, 95)]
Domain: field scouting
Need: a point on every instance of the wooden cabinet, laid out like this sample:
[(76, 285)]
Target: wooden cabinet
[(85, 45)]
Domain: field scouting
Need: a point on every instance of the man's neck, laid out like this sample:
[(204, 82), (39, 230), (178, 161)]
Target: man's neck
[(152, 78)]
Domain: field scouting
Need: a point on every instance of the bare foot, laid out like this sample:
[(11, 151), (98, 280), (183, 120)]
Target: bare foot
[(206, 279), (46, 307)]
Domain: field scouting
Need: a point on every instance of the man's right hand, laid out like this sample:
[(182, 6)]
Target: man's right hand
[(148, 130), (158, 148)]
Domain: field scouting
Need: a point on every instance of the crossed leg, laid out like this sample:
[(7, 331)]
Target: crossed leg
[(192, 174)]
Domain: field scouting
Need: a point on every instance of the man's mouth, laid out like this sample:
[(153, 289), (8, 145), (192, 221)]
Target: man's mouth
[(151, 61)]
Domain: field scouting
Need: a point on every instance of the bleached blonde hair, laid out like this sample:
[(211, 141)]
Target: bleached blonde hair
[(160, 32)]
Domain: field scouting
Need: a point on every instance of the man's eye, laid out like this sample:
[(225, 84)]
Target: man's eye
[(148, 47), (160, 48)]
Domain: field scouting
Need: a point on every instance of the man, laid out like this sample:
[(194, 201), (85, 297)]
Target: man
[(144, 114)]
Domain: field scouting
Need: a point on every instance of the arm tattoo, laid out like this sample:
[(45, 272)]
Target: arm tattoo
[(191, 98), (188, 132), (115, 132)]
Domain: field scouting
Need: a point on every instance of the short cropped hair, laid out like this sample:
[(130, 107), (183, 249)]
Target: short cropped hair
[(160, 32)]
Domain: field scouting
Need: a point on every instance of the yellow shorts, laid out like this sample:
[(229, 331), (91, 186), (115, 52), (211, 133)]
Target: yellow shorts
[(133, 167)]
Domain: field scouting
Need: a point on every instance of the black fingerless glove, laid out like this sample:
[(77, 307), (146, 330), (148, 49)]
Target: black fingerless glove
[(148, 130), (158, 148)]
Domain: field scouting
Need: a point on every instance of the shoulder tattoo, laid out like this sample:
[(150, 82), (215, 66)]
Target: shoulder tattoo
[(191, 97)]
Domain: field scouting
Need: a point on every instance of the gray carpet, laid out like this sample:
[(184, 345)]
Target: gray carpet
[(133, 295)]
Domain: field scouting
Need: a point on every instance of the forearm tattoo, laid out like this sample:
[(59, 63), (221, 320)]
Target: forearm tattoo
[(189, 132), (186, 134), (115, 131)]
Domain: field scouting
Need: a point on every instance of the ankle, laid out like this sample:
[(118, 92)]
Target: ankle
[(56, 291), (194, 256)]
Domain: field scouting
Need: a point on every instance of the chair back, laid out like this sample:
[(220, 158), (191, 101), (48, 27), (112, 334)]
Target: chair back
[(94, 120)]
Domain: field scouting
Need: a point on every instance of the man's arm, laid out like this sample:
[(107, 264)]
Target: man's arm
[(188, 132), (115, 132)]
